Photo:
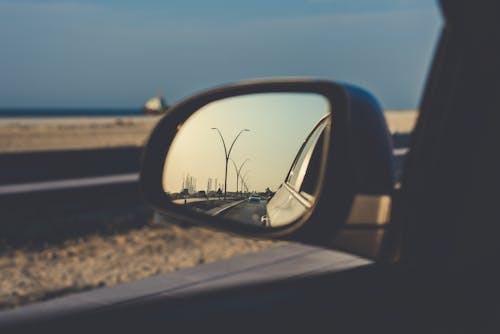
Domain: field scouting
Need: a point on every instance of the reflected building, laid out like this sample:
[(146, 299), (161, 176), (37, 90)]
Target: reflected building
[(209, 185), (189, 183)]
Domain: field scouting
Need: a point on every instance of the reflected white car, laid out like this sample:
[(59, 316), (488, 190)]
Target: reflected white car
[(254, 199)]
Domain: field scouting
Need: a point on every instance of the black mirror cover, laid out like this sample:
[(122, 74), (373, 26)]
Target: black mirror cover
[(357, 158)]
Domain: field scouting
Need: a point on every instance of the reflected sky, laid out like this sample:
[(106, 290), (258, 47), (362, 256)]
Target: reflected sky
[(278, 123)]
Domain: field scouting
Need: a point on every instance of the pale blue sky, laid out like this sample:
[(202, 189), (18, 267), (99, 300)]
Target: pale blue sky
[(119, 53)]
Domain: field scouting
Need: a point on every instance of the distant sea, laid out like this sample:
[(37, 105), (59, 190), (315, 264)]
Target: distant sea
[(69, 112)]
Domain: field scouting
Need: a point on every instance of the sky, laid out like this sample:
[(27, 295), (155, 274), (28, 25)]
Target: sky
[(119, 53), (278, 125)]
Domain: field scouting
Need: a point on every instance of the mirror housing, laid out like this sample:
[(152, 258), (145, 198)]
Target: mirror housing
[(356, 178)]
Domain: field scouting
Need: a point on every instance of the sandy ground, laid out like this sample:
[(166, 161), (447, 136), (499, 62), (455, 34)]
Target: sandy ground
[(40, 271), (27, 134), (401, 121), (43, 271)]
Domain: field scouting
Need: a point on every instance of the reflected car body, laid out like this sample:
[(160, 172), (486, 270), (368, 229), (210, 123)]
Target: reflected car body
[(295, 195)]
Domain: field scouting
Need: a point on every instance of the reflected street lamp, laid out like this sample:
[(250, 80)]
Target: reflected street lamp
[(238, 171), (227, 153), (244, 180)]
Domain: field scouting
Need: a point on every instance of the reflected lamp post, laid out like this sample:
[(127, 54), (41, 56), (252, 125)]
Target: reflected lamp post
[(243, 181), (238, 171), (227, 153)]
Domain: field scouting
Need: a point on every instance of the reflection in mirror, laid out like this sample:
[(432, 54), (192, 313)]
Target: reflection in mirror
[(253, 159)]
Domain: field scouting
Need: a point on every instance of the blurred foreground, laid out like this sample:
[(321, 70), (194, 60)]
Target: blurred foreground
[(121, 250)]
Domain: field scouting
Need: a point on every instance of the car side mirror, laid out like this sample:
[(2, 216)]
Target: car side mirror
[(302, 160)]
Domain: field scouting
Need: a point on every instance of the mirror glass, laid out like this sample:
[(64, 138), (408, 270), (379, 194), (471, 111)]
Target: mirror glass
[(254, 159)]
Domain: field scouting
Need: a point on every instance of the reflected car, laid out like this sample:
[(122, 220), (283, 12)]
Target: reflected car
[(254, 199), (296, 194)]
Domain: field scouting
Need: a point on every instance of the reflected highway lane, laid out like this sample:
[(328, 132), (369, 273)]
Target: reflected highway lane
[(246, 212)]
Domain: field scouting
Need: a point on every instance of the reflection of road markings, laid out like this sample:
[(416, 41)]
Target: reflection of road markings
[(19, 188), (219, 210), (190, 200)]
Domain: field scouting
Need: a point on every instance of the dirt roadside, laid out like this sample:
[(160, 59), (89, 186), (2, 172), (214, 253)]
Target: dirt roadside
[(26, 135), (40, 270)]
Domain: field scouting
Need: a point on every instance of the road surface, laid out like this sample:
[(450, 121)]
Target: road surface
[(246, 212)]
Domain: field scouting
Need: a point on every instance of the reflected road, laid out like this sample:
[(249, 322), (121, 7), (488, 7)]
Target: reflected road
[(246, 212)]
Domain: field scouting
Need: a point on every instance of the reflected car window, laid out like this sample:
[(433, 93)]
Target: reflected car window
[(300, 167)]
